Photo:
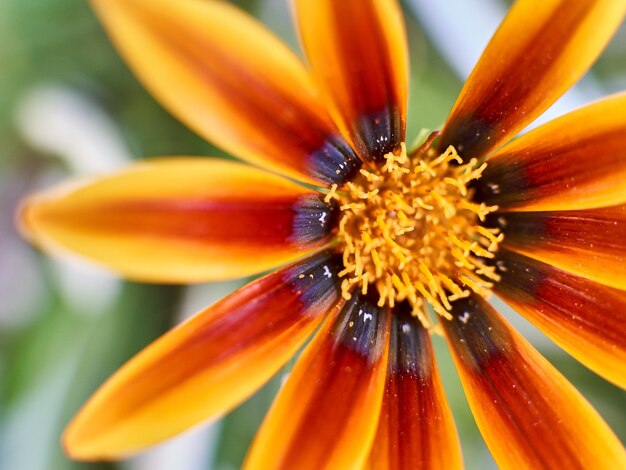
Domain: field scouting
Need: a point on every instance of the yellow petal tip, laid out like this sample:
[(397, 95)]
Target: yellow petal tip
[(73, 447), (26, 219)]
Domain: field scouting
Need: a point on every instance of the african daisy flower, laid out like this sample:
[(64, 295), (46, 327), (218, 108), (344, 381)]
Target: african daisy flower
[(398, 242)]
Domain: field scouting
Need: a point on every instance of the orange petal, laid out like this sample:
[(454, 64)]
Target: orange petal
[(232, 81), (590, 243), (575, 162), (586, 319), (540, 50), (325, 416), (358, 52), (415, 429), (207, 365), (528, 413), (181, 220)]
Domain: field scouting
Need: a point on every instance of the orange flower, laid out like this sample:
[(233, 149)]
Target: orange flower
[(400, 244)]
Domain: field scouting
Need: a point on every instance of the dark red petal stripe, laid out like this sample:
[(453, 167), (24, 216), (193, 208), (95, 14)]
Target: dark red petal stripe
[(376, 116), (416, 429), (207, 365), (587, 319), (539, 51), (296, 221), (273, 121), (575, 162), (181, 220), (325, 416), (306, 141), (368, 85), (590, 243), (528, 413)]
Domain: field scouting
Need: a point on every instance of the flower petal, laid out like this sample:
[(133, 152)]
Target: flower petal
[(325, 416), (181, 220), (540, 50), (590, 243), (575, 162), (528, 413), (207, 365), (358, 52), (586, 319), (415, 429), (232, 81)]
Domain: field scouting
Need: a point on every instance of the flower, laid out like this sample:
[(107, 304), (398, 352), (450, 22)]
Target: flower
[(402, 243)]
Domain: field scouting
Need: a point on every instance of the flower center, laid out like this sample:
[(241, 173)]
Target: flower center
[(409, 229)]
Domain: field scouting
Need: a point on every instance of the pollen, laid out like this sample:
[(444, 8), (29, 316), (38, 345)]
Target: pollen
[(409, 229)]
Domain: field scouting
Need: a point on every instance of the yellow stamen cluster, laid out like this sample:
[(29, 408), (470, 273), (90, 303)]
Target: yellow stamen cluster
[(410, 229)]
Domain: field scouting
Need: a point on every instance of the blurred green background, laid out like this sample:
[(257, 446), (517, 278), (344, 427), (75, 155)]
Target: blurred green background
[(69, 106)]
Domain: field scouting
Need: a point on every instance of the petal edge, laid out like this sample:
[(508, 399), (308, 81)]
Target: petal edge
[(228, 78), (207, 365), (528, 413), (539, 51), (335, 390), (180, 220), (586, 319)]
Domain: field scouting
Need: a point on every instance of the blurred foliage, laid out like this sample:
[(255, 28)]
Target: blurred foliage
[(60, 41), (52, 362)]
